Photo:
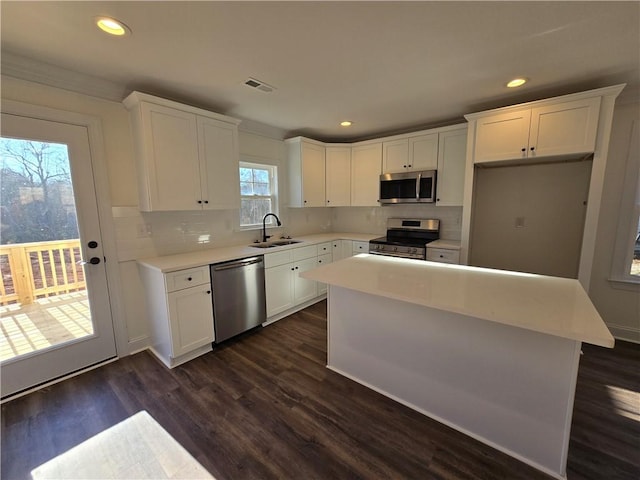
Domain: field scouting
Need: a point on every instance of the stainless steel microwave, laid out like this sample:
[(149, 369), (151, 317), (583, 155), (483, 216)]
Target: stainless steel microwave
[(408, 187)]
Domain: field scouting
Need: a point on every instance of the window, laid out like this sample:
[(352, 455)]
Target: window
[(258, 194), (635, 261), (626, 258)]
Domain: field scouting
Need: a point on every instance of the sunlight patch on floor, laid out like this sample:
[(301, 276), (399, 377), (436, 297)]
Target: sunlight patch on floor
[(626, 402), (137, 447), (47, 322)]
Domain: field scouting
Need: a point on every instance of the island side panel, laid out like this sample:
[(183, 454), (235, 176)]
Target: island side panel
[(508, 387)]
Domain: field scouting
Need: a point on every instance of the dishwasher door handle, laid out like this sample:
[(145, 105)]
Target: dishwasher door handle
[(228, 266)]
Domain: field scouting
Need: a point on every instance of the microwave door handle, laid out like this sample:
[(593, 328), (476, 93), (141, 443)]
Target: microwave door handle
[(418, 187)]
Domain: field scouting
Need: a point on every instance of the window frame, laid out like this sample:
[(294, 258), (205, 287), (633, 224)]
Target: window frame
[(273, 184), (629, 219)]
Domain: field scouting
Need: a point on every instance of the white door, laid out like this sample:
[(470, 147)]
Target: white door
[(50, 165)]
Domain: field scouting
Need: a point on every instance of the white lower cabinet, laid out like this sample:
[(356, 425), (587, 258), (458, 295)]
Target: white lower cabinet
[(180, 312), (443, 255), (304, 289), (341, 249), (284, 287), (360, 247), (325, 256), (191, 317), (278, 282)]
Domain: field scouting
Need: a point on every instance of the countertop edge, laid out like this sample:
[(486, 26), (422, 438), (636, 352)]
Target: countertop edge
[(606, 341), (183, 261)]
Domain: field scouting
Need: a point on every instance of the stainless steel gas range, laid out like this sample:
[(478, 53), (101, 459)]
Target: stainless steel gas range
[(406, 238)]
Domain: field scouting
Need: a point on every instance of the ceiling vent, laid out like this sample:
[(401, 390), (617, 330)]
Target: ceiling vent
[(263, 87)]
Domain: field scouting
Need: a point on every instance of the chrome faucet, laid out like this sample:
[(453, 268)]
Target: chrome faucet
[(266, 237)]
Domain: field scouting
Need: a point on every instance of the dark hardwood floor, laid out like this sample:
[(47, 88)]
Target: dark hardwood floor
[(265, 406)]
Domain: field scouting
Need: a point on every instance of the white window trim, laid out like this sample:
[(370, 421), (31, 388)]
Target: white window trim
[(273, 180), (629, 216)]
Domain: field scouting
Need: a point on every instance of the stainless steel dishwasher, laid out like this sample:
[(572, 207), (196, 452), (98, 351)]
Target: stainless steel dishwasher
[(239, 302)]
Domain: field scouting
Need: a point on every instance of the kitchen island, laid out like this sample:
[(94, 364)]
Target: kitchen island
[(493, 354)]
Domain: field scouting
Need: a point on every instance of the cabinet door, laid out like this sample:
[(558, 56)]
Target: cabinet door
[(338, 176), (170, 166), (565, 128), (313, 175), (504, 136), (279, 288), (366, 162), (323, 260), (341, 249), (191, 319), (219, 165), (304, 289), (423, 152), (395, 156), (360, 247), (452, 154)]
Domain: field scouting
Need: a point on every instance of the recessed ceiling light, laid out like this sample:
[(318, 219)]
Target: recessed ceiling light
[(516, 82), (346, 123), (112, 26)]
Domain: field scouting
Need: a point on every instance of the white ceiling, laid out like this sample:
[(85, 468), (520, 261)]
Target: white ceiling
[(387, 66)]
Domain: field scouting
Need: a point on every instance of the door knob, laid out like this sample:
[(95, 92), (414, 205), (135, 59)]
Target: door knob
[(92, 261)]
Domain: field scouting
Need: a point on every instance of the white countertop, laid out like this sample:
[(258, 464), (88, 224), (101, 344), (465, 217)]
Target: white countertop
[(172, 263), (446, 244), (550, 305)]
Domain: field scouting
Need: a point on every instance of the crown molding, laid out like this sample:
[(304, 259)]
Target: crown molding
[(24, 68)]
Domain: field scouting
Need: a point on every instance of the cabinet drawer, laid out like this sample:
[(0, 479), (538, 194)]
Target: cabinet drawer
[(278, 258), (360, 247), (304, 252), (325, 259), (443, 255), (324, 248), (187, 278)]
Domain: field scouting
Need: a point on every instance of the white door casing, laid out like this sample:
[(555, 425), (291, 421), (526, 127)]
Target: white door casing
[(83, 135)]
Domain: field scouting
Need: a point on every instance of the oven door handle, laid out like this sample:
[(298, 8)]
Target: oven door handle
[(418, 186)]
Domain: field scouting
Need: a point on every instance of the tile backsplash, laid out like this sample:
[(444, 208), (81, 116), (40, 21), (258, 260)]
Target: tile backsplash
[(151, 234), (374, 219), (141, 234)]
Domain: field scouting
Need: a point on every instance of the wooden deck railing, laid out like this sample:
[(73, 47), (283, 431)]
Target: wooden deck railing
[(40, 269)]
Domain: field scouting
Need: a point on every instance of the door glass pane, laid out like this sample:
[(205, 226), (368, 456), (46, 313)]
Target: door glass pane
[(43, 299), (635, 261)]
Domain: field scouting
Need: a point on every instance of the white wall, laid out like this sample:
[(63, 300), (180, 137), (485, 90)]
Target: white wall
[(617, 303), (530, 218)]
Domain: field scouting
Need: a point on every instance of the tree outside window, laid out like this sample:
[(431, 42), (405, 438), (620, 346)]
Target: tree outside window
[(36, 194), (257, 194)]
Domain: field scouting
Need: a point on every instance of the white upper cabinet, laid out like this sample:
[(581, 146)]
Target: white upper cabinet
[(564, 128), (219, 168), (338, 176), (452, 154), (306, 172), (366, 163), (186, 158), (423, 152), (395, 155), (410, 153), (557, 129)]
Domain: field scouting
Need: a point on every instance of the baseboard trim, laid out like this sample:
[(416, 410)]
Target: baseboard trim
[(622, 332)]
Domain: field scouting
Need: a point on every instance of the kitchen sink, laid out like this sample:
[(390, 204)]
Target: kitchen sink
[(276, 243)]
